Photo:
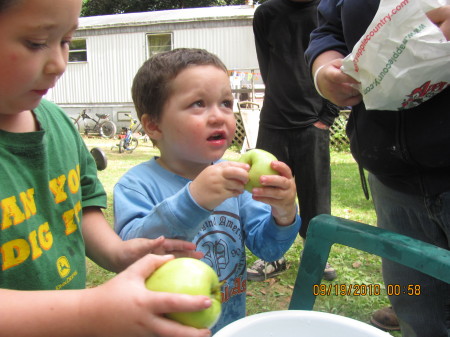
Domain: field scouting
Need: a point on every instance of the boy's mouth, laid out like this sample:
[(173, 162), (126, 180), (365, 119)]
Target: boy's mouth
[(41, 92), (217, 136)]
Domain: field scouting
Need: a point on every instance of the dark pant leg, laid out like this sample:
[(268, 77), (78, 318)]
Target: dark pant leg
[(309, 148), (425, 219), (306, 152)]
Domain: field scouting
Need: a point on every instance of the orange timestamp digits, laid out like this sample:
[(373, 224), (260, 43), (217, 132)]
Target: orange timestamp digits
[(365, 290), (408, 289), (347, 289)]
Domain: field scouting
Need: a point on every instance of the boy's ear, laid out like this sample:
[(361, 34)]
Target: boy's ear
[(151, 127)]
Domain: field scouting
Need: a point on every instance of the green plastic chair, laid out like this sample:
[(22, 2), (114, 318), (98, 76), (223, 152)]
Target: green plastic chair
[(326, 230)]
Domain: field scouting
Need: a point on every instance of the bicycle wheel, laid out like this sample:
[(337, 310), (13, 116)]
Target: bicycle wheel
[(132, 144), (122, 145), (100, 158), (108, 129)]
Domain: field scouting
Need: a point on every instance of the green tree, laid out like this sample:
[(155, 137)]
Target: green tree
[(103, 7)]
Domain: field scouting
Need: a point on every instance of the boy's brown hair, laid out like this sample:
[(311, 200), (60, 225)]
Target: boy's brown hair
[(152, 83)]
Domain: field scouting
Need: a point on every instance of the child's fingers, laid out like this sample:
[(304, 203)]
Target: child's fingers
[(282, 169), (188, 253), (271, 183), (170, 302), (233, 164), (165, 327), (145, 266), (237, 172), (178, 245)]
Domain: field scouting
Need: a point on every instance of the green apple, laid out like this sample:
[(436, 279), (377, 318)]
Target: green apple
[(193, 277), (259, 161)]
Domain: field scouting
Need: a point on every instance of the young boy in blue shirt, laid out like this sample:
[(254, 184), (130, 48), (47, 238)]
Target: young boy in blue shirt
[(184, 101)]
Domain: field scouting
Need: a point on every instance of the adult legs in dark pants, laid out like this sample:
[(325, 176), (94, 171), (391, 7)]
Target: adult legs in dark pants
[(306, 151), (425, 311)]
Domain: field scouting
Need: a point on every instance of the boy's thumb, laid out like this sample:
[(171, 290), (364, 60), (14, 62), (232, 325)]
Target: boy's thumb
[(148, 264)]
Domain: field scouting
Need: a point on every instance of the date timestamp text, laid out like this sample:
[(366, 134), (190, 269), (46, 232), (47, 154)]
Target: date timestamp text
[(365, 290)]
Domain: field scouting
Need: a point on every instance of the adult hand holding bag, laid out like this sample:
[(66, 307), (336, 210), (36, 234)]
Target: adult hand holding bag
[(403, 59)]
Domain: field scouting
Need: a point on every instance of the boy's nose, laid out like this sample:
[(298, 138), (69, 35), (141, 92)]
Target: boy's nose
[(216, 115), (57, 61)]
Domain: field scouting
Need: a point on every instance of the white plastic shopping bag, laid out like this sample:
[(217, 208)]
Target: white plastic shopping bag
[(403, 59)]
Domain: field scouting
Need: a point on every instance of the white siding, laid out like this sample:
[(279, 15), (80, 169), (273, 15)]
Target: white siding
[(107, 76), (234, 45), (116, 50)]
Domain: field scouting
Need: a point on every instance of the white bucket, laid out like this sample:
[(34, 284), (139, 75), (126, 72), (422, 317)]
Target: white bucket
[(298, 323)]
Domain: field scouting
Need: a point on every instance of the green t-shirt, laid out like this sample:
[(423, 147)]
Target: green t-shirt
[(46, 178)]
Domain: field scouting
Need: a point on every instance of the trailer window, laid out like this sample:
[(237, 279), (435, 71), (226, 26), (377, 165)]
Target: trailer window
[(78, 51), (158, 43)]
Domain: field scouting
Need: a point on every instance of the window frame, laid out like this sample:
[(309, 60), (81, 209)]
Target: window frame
[(150, 52), (73, 51)]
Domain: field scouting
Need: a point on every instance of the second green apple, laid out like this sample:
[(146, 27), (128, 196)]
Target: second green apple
[(259, 161), (193, 277)]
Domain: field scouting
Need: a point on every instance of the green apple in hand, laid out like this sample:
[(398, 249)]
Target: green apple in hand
[(193, 277), (259, 161)]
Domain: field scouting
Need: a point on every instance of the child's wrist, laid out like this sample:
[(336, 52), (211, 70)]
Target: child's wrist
[(285, 220)]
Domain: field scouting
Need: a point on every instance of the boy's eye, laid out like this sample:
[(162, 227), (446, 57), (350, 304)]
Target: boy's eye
[(36, 45), (67, 40), (198, 104), (228, 104)]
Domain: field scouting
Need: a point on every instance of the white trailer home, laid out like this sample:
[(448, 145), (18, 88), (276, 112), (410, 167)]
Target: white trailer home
[(108, 50)]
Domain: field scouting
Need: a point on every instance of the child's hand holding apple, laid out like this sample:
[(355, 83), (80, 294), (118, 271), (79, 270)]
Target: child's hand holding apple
[(218, 182), (271, 182), (192, 277), (123, 306), (258, 171)]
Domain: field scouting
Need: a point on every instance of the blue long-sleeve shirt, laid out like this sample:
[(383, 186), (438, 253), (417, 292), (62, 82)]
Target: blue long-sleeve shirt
[(150, 201)]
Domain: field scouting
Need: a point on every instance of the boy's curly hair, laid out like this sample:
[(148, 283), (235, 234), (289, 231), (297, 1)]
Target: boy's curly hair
[(152, 83)]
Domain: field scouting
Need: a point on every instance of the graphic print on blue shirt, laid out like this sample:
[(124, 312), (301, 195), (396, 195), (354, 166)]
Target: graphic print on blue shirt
[(221, 241)]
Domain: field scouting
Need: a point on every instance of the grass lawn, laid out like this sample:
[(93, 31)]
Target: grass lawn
[(353, 266)]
